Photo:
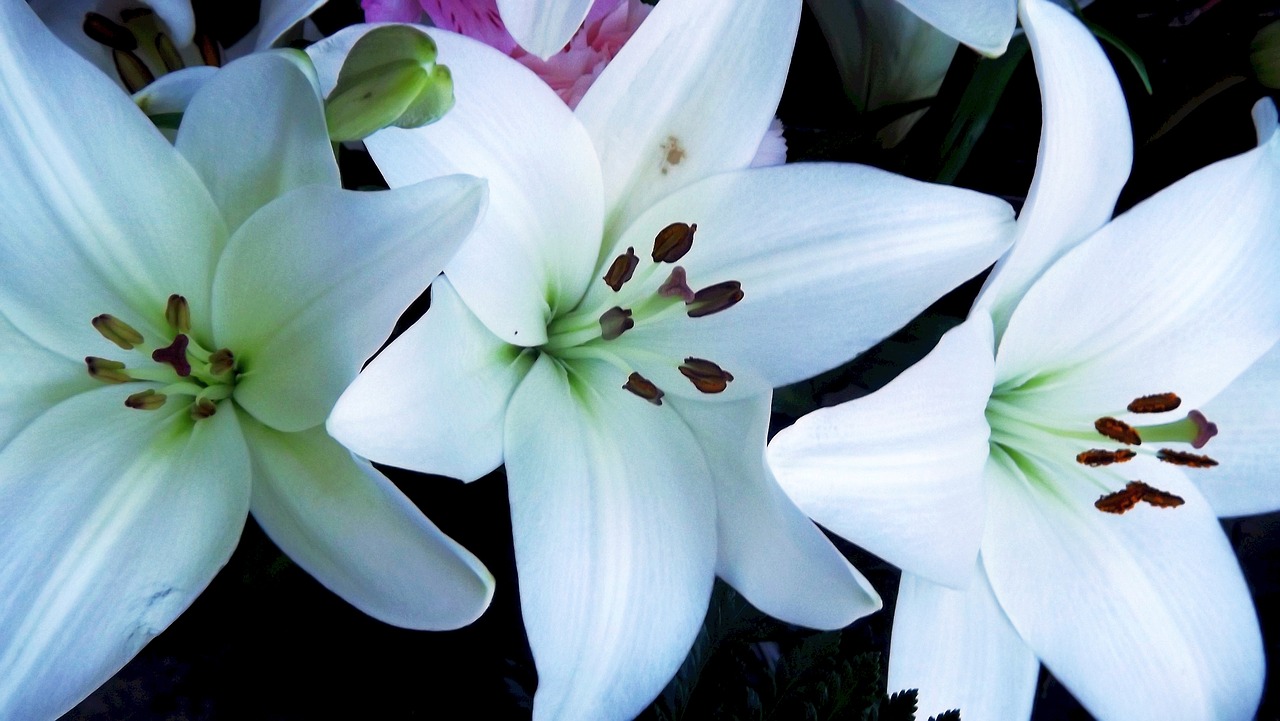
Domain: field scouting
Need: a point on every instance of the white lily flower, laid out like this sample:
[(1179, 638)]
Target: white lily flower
[(619, 360), (992, 453), (128, 466)]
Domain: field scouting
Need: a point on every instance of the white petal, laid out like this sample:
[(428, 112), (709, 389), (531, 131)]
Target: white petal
[(1264, 118), (172, 92), (614, 530), (113, 521), (959, 650), (274, 20), (265, 109), (352, 529), (533, 251), (1086, 148), (314, 282), (822, 280), (1140, 615), (435, 399), (34, 380), (543, 27), (900, 472), (104, 215), (769, 551), (688, 96), (984, 25), (1180, 294)]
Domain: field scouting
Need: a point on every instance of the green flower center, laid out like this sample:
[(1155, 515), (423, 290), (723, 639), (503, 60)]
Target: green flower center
[(141, 47)]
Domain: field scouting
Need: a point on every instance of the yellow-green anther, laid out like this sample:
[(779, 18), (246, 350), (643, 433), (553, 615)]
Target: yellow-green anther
[(168, 53), (117, 331), (203, 408), (132, 71), (390, 78), (221, 362), (100, 29), (1264, 54), (106, 370), (178, 314), (147, 400)]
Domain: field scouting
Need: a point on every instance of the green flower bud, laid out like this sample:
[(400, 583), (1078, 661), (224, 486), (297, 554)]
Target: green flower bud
[(1265, 55), (390, 78)]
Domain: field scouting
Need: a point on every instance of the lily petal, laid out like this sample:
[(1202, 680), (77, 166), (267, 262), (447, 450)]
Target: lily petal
[(900, 472), (1159, 623), (434, 400), (537, 243), (113, 521), (614, 530), (690, 95), (769, 551), (543, 27), (367, 257), (65, 18), (35, 379), (98, 190), (321, 506), (808, 266), (172, 92), (1086, 149), (275, 19), (985, 25), (267, 109), (959, 649)]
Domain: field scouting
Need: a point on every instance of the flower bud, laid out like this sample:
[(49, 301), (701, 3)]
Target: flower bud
[(390, 78), (1265, 55)]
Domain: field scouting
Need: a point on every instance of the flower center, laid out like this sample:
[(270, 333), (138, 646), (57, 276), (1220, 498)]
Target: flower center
[(141, 47), (587, 333), (186, 369)]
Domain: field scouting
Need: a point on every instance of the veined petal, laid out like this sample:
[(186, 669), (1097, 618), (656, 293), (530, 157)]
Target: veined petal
[(688, 96), (533, 251), (352, 529), (900, 472), (1159, 623), (274, 20), (113, 521), (314, 282), (34, 380), (815, 246), (768, 550), (543, 27), (256, 132), (1180, 294), (614, 529), (105, 216), (959, 650), (435, 399), (66, 19), (986, 25), (1086, 149)]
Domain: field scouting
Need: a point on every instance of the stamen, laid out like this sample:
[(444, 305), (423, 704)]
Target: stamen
[(1159, 498), (673, 241), (1206, 429), (705, 375), (715, 298), (107, 371), (677, 286), (1157, 403), (1098, 457), (132, 71), (614, 322), (221, 361), (103, 31), (621, 269), (1118, 431), (117, 331), (1181, 458), (209, 53), (203, 408), (147, 400), (178, 314), (1134, 491), (168, 53), (175, 355), (642, 387)]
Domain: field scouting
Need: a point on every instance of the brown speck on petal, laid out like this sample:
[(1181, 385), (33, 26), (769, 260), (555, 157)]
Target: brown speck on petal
[(1181, 458), (673, 241), (1157, 403), (1118, 431), (705, 375), (1099, 457), (621, 270), (644, 388)]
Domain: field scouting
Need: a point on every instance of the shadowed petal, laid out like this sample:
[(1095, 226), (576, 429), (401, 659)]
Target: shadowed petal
[(543, 27)]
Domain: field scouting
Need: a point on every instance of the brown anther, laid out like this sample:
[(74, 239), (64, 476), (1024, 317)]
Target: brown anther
[(1157, 403), (178, 314), (132, 71), (1134, 491), (116, 331), (1181, 458), (128, 15), (1099, 457), (621, 269), (705, 375), (210, 54), (677, 286), (147, 400), (107, 371), (175, 355), (715, 298), (203, 408), (644, 388), (221, 361), (1206, 429), (673, 241), (1118, 431), (168, 53), (101, 30), (614, 322), (1159, 498)]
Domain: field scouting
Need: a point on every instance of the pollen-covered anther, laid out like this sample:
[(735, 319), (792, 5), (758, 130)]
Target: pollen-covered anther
[(102, 30), (1206, 429), (673, 241), (705, 375), (178, 314), (1181, 458), (621, 270), (677, 286), (1156, 403), (117, 331), (1118, 431), (147, 400), (1099, 457), (132, 71), (715, 298), (168, 53), (107, 371), (175, 355), (614, 322), (203, 408), (221, 361), (644, 388), (1133, 492)]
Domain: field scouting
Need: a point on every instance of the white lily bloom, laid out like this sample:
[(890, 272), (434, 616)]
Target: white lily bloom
[(992, 452), (128, 466), (619, 360)]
